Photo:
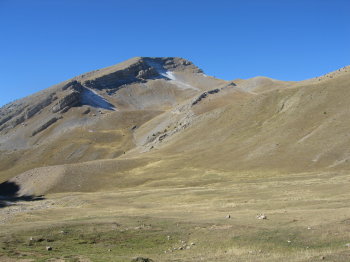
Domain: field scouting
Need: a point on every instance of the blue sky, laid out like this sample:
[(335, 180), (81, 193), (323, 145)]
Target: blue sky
[(44, 42)]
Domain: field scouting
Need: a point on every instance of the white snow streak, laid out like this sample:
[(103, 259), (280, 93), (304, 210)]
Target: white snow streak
[(170, 76), (92, 98)]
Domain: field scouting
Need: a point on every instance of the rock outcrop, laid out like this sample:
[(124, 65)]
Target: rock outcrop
[(141, 70), (74, 84), (204, 95), (147, 73), (17, 113), (72, 94), (68, 101), (45, 125), (136, 72), (31, 111)]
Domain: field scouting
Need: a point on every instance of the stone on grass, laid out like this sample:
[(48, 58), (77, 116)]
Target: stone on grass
[(261, 216), (141, 259)]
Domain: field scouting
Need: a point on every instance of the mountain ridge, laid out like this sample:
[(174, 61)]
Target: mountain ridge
[(165, 111)]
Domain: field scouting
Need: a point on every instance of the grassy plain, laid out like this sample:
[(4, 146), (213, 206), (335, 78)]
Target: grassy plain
[(308, 219)]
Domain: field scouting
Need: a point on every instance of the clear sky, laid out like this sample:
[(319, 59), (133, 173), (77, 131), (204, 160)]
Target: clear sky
[(44, 42)]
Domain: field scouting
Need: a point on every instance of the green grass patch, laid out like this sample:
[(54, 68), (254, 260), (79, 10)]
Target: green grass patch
[(98, 242)]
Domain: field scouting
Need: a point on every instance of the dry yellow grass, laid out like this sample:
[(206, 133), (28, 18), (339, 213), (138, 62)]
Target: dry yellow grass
[(307, 217)]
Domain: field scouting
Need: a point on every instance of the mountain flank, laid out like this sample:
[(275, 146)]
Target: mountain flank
[(153, 115)]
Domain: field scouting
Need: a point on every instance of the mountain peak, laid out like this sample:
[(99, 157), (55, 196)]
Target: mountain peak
[(136, 84), (143, 67)]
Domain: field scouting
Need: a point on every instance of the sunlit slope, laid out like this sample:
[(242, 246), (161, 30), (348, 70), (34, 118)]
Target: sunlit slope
[(106, 138), (220, 129), (93, 116), (296, 129)]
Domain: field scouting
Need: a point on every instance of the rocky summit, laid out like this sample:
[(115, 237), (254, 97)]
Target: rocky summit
[(152, 154)]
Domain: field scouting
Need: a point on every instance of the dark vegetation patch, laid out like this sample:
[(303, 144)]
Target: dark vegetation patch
[(9, 194)]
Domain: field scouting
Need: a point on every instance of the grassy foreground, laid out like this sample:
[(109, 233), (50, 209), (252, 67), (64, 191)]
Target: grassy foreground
[(308, 219)]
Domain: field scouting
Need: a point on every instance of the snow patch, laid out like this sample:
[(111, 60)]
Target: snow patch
[(176, 81), (92, 98), (170, 76)]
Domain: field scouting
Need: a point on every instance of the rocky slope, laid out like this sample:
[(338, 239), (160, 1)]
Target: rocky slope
[(147, 116)]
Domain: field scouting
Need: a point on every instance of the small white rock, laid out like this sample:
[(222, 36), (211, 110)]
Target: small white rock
[(261, 216)]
